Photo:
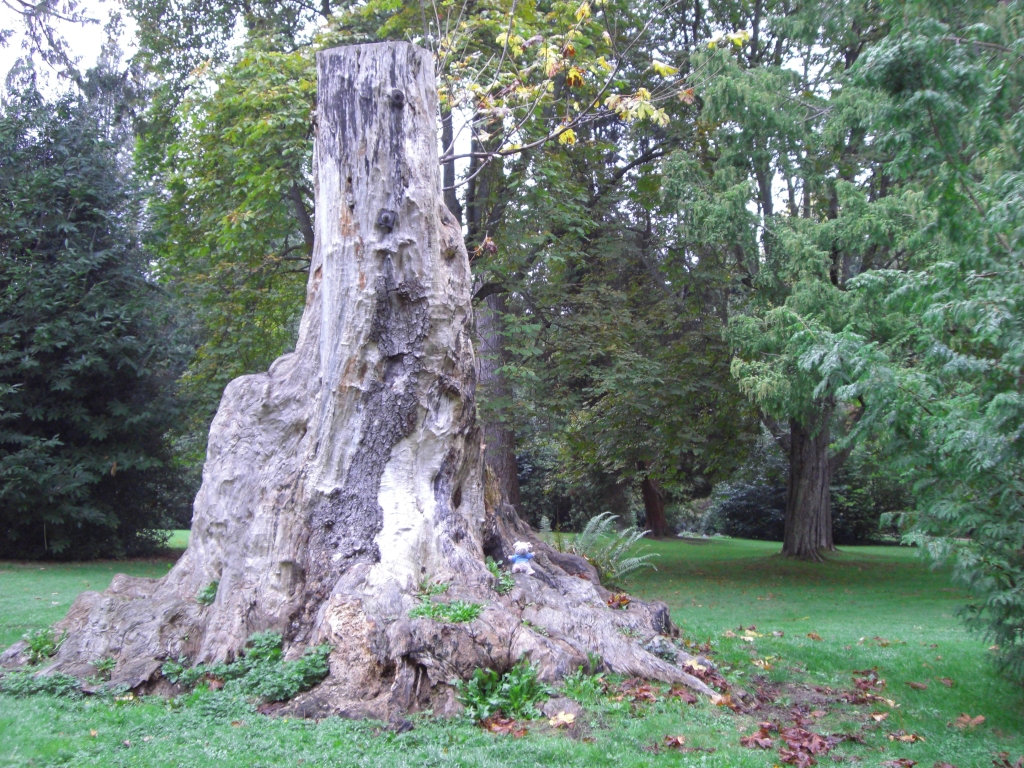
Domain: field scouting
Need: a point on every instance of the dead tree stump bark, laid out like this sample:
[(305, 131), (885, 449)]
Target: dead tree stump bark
[(340, 479)]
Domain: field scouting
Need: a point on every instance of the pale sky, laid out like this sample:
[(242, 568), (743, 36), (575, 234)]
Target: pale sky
[(84, 41)]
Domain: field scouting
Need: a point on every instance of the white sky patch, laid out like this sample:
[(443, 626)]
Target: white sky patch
[(84, 40)]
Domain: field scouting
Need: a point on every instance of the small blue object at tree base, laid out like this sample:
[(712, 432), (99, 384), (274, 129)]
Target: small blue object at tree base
[(522, 557)]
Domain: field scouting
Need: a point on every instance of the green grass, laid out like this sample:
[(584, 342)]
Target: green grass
[(863, 592)]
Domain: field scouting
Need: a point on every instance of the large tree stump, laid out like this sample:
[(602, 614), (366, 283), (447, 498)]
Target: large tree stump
[(351, 471)]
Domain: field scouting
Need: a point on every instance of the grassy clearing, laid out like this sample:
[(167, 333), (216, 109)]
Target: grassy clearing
[(864, 592)]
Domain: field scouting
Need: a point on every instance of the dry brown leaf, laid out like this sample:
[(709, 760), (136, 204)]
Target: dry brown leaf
[(903, 736), (917, 686), (777, 633), (814, 636), (675, 741), (93, 733), (966, 721), (879, 716), (946, 681), (729, 633), (818, 713), (903, 762), (943, 765)]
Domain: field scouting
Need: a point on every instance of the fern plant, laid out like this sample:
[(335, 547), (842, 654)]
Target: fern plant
[(608, 550)]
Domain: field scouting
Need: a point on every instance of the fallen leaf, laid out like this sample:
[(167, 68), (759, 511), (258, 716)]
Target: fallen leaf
[(918, 686), (966, 721), (729, 633), (683, 694), (94, 733), (903, 762), (127, 742), (814, 636), (943, 765), (777, 633), (818, 713), (903, 736), (762, 664), (237, 723), (147, 738), (562, 720), (946, 681), (503, 725), (693, 665), (747, 639), (722, 701), (758, 740), (675, 741), (879, 716)]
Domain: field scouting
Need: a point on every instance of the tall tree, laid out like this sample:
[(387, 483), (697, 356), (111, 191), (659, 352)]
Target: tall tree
[(777, 183), (88, 356)]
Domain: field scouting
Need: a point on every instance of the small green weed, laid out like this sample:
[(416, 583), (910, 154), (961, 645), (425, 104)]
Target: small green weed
[(25, 683), (104, 667), (261, 673), (515, 694), (430, 588), (584, 688), (42, 644), (506, 582), (454, 612), (207, 594), (536, 628)]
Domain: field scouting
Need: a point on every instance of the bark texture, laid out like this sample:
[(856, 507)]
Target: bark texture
[(499, 437), (654, 507), (340, 479), (808, 525)]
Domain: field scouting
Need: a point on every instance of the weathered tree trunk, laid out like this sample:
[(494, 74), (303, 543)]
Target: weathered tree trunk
[(347, 474), (654, 506), (808, 525), (501, 469)]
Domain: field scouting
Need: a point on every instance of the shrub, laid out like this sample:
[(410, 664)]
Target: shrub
[(608, 551), (515, 693)]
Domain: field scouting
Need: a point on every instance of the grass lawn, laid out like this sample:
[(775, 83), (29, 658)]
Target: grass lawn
[(871, 607)]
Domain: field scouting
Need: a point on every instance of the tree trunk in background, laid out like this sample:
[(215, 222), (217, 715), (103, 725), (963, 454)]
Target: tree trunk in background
[(351, 471), (654, 507), (499, 437), (808, 526)]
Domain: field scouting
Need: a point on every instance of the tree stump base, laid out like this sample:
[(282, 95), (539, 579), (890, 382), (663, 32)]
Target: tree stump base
[(351, 471)]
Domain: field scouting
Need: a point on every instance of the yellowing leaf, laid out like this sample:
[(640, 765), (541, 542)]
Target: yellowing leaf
[(692, 664), (686, 96), (567, 137), (663, 69), (603, 64), (562, 720), (738, 38), (583, 11)]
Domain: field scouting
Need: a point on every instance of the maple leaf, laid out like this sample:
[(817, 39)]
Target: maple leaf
[(562, 720), (917, 686), (879, 716), (503, 725), (683, 694), (568, 136), (903, 736), (814, 636), (758, 740), (686, 95), (675, 742)]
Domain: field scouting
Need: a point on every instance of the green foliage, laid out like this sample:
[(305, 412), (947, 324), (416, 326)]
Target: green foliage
[(22, 683), (42, 644), (505, 582), (515, 693), (261, 673), (88, 344), (608, 550), (587, 689), (207, 594), (428, 588), (453, 613), (105, 666)]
